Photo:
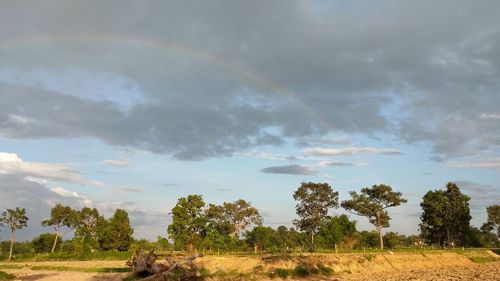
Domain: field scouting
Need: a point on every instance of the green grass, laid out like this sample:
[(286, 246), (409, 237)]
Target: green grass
[(10, 266), (6, 276), (82, 269), (325, 270), (100, 255), (482, 259)]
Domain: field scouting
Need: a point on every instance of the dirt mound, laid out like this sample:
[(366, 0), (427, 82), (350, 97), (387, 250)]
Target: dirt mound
[(345, 263)]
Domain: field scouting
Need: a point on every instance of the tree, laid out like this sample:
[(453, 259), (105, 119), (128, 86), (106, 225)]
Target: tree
[(494, 217), (335, 229), (234, 217), (446, 216), (43, 243), (372, 203), (314, 201), (90, 228), (262, 238), (188, 222), (14, 219), (61, 217), (117, 234)]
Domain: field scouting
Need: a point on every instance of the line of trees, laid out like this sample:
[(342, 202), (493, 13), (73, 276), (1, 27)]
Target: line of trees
[(237, 226), (445, 222)]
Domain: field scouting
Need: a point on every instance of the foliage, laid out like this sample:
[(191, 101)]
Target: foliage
[(494, 217), (314, 201), (372, 203), (6, 276), (43, 243), (233, 217), (335, 229), (117, 234), (446, 216), (15, 220), (188, 222), (61, 217), (261, 237), (90, 230)]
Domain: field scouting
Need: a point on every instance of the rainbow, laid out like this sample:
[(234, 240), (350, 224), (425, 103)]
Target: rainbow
[(101, 38)]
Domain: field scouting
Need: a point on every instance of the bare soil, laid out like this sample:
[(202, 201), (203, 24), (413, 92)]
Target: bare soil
[(401, 266)]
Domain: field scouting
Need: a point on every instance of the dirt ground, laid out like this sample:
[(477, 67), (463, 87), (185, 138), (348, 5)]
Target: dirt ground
[(485, 272), (449, 268)]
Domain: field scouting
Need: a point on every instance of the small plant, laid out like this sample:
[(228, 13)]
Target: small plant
[(258, 268), (283, 272), (369, 257), (325, 270), (6, 276), (301, 271)]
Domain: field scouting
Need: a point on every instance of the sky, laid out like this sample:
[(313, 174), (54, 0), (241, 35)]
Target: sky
[(133, 104)]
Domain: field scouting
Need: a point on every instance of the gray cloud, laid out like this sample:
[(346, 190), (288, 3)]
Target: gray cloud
[(289, 170), (199, 80)]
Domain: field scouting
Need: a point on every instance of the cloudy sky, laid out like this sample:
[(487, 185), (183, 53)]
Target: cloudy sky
[(132, 104)]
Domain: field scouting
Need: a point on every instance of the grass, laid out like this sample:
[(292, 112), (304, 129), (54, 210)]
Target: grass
[(6, 276), (82, 269), (100, 255), (325, 270), (10, 266), (482, 259)]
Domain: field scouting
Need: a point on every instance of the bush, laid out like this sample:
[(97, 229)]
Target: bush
[(6, 276), (283, 272), (301, 271), (325, 270)]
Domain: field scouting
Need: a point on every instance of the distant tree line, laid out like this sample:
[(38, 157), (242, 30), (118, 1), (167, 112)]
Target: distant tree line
[(238, 226)]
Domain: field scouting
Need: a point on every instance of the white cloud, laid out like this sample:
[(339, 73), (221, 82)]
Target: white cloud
[(117, 163), (488, 116), (11, 163), (486, 164), (351, 151)]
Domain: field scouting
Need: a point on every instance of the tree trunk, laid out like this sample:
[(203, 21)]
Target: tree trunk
[(191, 248), (55, 243), (380, 237), (312, 241), (448, 237), (379, 229), (11, 244)]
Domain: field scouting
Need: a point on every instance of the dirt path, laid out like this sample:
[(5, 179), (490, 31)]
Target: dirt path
[(27, 274)]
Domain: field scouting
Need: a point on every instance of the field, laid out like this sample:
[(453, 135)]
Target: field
[(436, 265)]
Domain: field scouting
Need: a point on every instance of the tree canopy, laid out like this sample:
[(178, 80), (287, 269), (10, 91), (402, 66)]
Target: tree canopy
[(15, 219), (61, 217), (314, 201), (446, 216), (188, 222), (372, 203)]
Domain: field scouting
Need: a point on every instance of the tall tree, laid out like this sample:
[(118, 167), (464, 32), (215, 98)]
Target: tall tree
[(233, 217), (446, 216), (91, 226), (117, 235), (14, 219), (373, 203), (314, 201), (494, 217), (188, 222), (63, 219)]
